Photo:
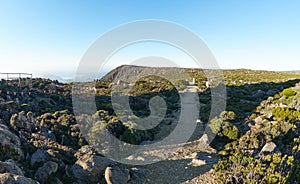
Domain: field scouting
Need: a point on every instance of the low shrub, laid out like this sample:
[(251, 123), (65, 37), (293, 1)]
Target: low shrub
[(288, 92), (286, 114)]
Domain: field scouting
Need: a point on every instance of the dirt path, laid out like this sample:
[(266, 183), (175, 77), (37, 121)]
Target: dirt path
[(190, 164)]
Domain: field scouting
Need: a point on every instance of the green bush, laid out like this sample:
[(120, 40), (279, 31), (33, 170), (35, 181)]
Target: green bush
[(181, 83), (288, 92), (246, 169), (231, 132), (215, 125), (228, 115), (286, 114), (224, 129)]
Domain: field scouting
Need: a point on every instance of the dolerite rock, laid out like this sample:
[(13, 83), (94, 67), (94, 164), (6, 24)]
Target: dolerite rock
[(205, 139), (5, 115), (258, 120), (139, 171), (8, 178), (24, 180), (269, 147), (90, 168), (44, 117), (10, 139), (138, 175), (85, 150), (271, 92), (43, 173), (116, 175), (56, 181), (22, 121), (11, 167), (39, 156)]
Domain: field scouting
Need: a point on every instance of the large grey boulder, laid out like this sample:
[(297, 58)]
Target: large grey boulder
[(56, 181), (7, 178), (23, 180), (90, 168), (43, 173), (40, 156), (138, 175), (116, 175), (271, 92), (11, 140), (11, 167)]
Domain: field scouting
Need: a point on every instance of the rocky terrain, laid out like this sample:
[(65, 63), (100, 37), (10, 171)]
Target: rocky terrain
[(257, 136)]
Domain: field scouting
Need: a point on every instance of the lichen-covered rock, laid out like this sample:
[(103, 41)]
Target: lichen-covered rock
[(22, 121), (205, 139), (269, 147), (258, 120)]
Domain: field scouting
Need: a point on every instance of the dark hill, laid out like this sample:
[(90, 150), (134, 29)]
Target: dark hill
[(234, 77)]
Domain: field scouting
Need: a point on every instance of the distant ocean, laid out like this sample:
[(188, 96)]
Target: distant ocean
[(67, 76)]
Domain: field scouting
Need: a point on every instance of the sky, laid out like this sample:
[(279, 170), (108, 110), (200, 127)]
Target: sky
[(51, 36)]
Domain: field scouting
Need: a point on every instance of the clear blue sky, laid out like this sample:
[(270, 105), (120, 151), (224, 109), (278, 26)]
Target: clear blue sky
[(52, 35)]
